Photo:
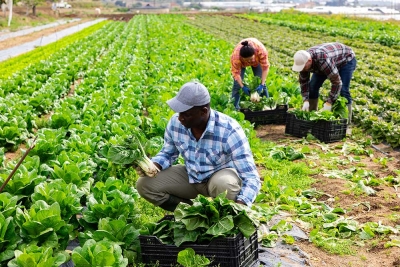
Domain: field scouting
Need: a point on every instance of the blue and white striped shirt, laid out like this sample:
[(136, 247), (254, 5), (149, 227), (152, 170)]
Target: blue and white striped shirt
[(222, 145)]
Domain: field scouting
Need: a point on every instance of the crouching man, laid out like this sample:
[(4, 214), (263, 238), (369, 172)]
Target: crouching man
[(215, 150)]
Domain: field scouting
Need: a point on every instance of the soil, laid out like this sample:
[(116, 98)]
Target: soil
[(384, 207)]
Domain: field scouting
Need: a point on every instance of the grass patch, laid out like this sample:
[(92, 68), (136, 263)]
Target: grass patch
[(20, 21), (291, 174), (337, 246), (148, 213)]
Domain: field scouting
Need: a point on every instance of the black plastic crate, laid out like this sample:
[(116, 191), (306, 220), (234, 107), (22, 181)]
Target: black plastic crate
[(296, 127), (325, 131), (237, 251), (274, 116)]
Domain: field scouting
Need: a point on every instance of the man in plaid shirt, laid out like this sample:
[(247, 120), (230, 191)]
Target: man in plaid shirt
[(249, 52), (216, 153), (333, 61)]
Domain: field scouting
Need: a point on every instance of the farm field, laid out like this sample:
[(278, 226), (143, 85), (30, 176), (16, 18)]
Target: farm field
[(111, 81)]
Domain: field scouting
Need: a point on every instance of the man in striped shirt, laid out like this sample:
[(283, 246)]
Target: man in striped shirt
[(215, 150), (249, 52), (333, 61)]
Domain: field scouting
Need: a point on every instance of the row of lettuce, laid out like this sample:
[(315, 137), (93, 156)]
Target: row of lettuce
[(63, 166), (66, 189), (376, 84), (381, 32), (38, 88)]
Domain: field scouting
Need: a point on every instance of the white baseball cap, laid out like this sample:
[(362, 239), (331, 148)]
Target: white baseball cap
[(300, 59)]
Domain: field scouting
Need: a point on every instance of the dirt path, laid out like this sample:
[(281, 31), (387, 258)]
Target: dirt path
[(8, 43)]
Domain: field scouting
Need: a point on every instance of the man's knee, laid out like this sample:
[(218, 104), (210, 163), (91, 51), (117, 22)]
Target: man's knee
[(226, 180), (140, 185), (166, 201), (144, 188)]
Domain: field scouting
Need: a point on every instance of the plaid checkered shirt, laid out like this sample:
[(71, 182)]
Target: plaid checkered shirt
[(223, 145), (327, 59)]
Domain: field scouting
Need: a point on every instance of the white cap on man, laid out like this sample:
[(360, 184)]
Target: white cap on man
[(300, 59)]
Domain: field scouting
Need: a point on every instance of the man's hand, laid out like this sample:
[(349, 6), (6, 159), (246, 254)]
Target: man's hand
[(306, 106), (261, 88), (140, 172), (240, 202), (327, 106), (246, 90), (153, 171), (158, 166)]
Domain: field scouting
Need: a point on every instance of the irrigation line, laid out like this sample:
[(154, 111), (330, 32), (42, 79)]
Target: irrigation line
[(18, 164), (380, 150)]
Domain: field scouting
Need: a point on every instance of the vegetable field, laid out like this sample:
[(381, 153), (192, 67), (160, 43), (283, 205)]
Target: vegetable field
[(98, 87)]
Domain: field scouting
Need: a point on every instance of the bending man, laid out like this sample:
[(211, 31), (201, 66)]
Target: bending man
[(333, 61), (249, 52)]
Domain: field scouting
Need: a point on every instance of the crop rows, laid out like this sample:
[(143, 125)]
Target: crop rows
[(32, 92), (117, 91), (384, 33)]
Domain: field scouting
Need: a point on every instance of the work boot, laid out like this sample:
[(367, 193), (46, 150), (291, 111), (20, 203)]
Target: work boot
[(350, 114), (313, 104), (173, 201)]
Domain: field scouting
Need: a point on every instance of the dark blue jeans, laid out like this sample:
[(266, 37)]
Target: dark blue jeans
[(257, 71), (345, 73)]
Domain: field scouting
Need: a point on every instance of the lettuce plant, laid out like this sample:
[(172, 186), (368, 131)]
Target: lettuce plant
[(83, 142), (204, 220), (189, 258), (72, 166), (112, 199), (25, 178), (131, 152), (37, 256), (99, 254), (71, 172), (8, 204), (119, 231), (42, 225), (285, 153), (66, 195), (8, 238), (339, 111), (48, 144)]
